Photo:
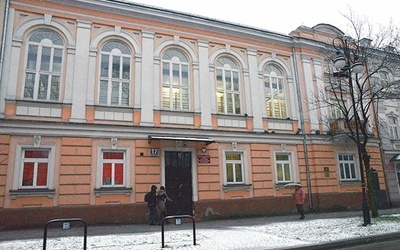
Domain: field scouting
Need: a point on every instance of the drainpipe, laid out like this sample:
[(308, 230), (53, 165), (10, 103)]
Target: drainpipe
[(3, 37), (303, 131)]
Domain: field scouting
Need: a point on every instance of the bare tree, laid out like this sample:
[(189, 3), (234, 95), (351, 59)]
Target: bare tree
[(351, 96)]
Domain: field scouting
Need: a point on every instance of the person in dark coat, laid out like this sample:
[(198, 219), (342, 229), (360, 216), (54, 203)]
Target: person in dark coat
[(162, 200), (151, 199)]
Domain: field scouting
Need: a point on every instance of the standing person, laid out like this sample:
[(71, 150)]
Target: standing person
[(299, 197), (162, 199), (151, 199)]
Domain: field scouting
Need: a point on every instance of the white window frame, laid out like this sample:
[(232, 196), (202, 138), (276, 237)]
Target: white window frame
[(226, 65), (126, 168), (120, 80), (274, 98), (19, 163), (243, 167), (347, 163), (291, 167), (38, 72), (393, 127), (175, 87)]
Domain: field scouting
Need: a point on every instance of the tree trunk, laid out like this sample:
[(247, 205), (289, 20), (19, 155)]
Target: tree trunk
[(371, 192)]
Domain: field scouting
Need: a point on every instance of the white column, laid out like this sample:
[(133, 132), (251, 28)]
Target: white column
[(310, 114), (91, 77), (137, 83), (69, 78), (5, 75), (81, 69), (147, 80), (319, 75), (256, 99), (205, 86)]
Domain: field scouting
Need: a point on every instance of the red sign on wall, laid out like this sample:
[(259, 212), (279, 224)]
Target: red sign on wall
[(203, 159)]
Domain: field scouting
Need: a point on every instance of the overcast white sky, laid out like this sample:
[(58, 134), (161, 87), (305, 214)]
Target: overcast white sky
[(283, 16)]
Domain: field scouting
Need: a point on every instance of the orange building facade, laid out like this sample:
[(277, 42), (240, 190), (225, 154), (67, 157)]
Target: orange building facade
[(102, 99)]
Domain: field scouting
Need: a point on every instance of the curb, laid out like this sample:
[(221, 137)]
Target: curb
[(350, 242)]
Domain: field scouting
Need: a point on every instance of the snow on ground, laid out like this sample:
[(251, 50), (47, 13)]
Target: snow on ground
[(266, 236)]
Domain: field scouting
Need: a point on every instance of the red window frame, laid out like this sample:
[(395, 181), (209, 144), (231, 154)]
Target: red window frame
[(113, 168), (35, 168)]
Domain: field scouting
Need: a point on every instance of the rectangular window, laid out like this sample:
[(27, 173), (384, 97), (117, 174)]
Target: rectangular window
[(283, 168), (347, 167), (234, 168), (35, 168), (113, 168), (393, 130)]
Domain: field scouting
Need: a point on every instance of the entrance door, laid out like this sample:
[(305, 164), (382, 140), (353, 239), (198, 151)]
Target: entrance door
[(178, 182)]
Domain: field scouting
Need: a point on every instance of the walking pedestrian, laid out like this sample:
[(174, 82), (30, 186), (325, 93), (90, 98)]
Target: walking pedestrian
[(151, 199), (299, 197), (162, 200)]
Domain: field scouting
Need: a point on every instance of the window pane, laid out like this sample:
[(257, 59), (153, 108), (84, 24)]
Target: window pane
[(119, 174), (175, 74), (176, 99), (279, 172), (221, 104), (104, 66), (27, 175), (125, 94), (229, 103), (32, 56), (233, 157), (352, 171), (55, 88), (103, 92), (229, 172), (165, 73), (29, 85), (238, 172), (282, 157), (220, 84), (43, 86), (42, 174), (287, 172), (57, 59), (115, 93), (185, 99), (43, 154), (228, 80), (116, 66), (113, 155), (165, 97), (126, 68), (185, 75), (107, 174), (237, 104), (45, 62), (235, 81)]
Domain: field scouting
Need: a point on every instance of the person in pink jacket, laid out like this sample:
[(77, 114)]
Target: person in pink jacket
[(299, 197)]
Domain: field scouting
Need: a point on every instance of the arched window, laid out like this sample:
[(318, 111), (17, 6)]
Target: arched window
[(228, 86), (44, 66), (175, 80), (115, 74), (275, 95)]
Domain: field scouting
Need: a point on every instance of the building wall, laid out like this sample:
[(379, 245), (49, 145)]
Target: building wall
[(77, 128)]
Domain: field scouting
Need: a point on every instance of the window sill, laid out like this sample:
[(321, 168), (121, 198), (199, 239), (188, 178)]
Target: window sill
[(32, 192), (350, 183), (112, 190), (230, 187)]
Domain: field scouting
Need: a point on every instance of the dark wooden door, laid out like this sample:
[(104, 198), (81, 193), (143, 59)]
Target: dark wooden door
[(178, 182)]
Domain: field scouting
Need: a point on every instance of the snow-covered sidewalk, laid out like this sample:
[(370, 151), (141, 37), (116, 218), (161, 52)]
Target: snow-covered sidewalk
[(255, 233)]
